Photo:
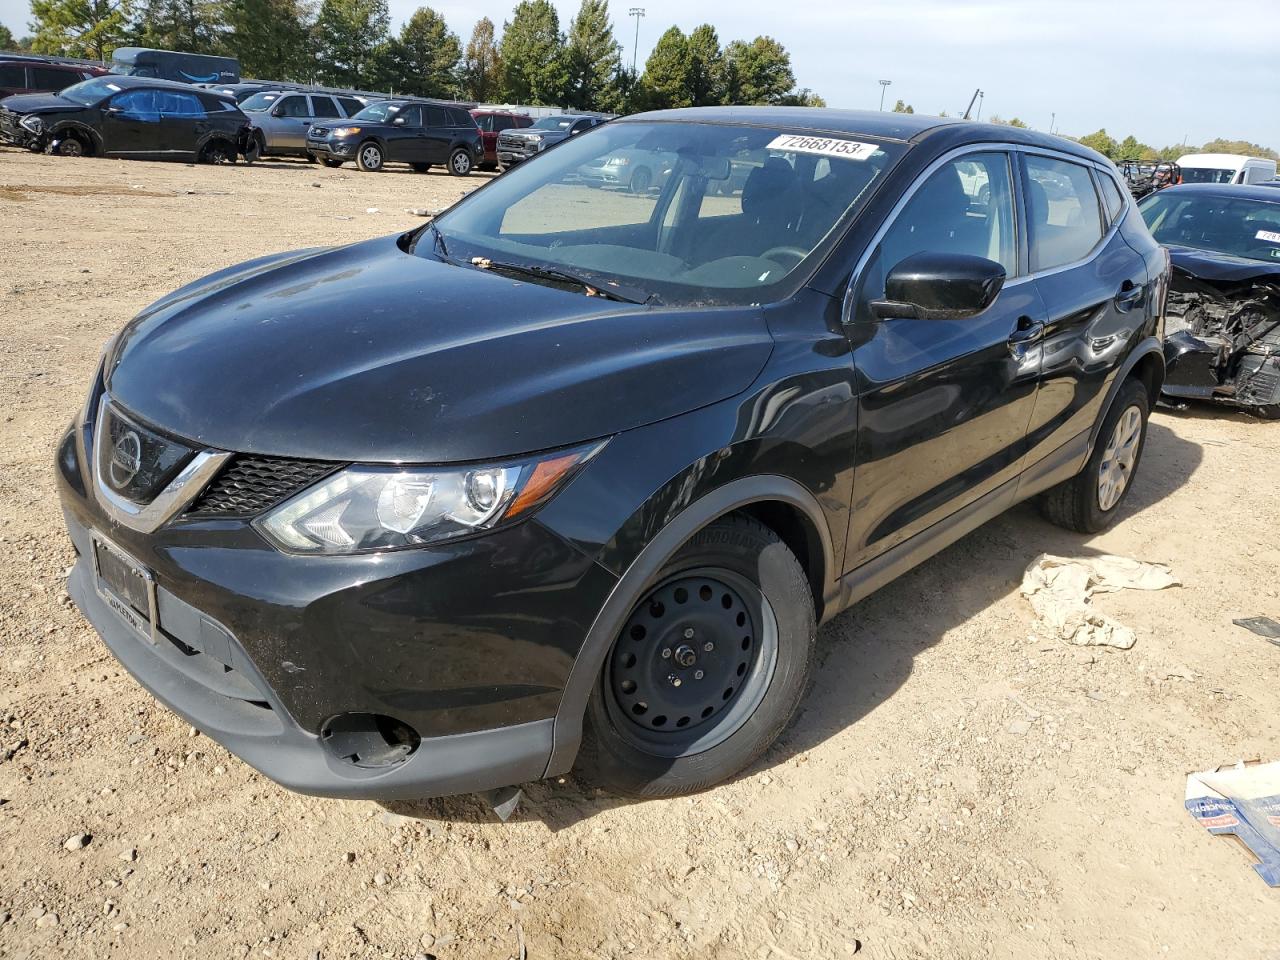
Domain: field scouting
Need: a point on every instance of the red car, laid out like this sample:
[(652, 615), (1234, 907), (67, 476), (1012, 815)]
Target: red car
[(492, 123), (19, 74)]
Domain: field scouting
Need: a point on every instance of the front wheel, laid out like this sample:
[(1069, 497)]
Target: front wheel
[(69, 146), (460, 163), (708, 669), (1089, 501), (369, 158), (641, 181), (333, 161)]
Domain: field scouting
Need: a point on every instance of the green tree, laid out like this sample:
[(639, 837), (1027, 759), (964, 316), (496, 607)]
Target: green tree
[(804, 97), (1240, 147), (349, 36), (903, 107), (481, 65), (78, 28), (6, 38), (271, 38), (426, 54), (1104, 143), (704, 67), (664, 83), (594, 59), (534, 60), (757, 72), (192, 25)]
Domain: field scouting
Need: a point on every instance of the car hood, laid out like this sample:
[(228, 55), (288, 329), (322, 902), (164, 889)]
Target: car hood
[(1222, 267), (39, 103), (370, 353)]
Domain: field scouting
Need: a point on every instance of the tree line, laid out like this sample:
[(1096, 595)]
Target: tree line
[(350, 43)]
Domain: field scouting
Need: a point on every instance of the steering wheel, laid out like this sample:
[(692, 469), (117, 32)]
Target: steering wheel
[(786, 251)]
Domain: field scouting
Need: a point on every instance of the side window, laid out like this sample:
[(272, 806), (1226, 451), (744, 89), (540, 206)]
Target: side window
[(13, 75), (412, 116), (485, 123), (503, 123), (1062, 212), (351, 105), (581, 125), (137, 105), (179, 104), (323, 107), (1111, 196), (460, 118), (293, 107), (435, 117), (45, 79)]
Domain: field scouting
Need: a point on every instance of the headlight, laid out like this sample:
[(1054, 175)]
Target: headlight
[(33, 123), (540, 144), (345, 131), (366, 508), (618, 162)]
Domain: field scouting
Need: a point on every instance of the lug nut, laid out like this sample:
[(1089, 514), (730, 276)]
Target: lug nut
[(697, 674), (708, 647), (666, 653), (688, 633), (674, 680)]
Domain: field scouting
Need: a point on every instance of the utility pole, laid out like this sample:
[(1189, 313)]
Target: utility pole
[(981, 96), (636, 12), (884, 85), (1053, 119)]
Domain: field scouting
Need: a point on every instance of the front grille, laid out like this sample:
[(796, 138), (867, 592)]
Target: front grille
[(249, 484), (9, 125)]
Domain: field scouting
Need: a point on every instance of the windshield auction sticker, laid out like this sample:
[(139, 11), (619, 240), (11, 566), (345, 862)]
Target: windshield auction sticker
[(823, 146), (1269, 236)]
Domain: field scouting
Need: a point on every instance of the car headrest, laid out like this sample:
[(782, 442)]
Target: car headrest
[(767, 185)]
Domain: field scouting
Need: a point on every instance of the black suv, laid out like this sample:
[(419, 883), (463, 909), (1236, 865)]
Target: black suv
[(421, 134), (129, 117), (428, 514), (522, 143)]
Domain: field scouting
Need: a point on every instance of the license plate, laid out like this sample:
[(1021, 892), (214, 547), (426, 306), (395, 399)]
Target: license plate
[(126, 586)]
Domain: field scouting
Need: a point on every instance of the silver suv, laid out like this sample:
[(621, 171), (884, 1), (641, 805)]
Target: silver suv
[(280, 118)]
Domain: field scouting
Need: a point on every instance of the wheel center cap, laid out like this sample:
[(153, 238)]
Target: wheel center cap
[(685, 655)]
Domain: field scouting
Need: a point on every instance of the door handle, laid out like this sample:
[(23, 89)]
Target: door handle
[(1028, 331), (1130, 296), (306, 123)]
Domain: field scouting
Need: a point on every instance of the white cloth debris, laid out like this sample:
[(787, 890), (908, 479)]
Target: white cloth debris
[(1059, 589)]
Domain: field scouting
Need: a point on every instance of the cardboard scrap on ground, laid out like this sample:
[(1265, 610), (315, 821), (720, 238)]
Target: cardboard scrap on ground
[(1243, 801), (1059, 589)]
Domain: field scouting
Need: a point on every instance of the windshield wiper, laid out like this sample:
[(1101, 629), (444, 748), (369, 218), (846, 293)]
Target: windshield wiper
[(607, 289)]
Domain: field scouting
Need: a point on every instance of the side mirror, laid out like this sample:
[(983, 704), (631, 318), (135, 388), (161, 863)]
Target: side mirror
[(399, 121), (940, 286), (112, 108)]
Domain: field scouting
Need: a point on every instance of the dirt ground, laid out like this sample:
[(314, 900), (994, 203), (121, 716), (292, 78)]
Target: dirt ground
[(955, 786)]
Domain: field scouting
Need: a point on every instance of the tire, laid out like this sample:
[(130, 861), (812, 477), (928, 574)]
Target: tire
[(420, 167), (332, 161), (460, 163), (641, 181), (70, 145), (369, 157), (218, 152), (1088, 503), (253, 151), (734, 612)]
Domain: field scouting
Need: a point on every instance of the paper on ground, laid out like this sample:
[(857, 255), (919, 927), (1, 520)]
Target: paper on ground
[(1059, 589), (1244, 801)]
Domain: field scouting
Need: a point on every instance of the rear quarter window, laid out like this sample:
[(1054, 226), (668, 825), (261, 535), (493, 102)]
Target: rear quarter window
[(351, 105)]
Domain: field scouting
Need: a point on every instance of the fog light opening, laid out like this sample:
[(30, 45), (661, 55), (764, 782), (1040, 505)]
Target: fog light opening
[(369, 740)]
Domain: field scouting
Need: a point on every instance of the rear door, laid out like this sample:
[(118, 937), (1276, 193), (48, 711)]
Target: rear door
[(943, 404), (183, 122), (1094, 286), (437, 135), (131, 125)]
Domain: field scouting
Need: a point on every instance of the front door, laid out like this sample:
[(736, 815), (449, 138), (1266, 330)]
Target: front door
[(292, 117), (131, 124), (407, 140), (943, 404)]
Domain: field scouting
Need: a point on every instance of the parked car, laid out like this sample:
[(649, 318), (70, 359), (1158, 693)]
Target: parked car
[(1225, 168), (423, 514), (637, 170), (128, 117), (491, 124), (281, 118), (19, 74), (516, 145), (174, 65), (419, 133), (1223, 341)]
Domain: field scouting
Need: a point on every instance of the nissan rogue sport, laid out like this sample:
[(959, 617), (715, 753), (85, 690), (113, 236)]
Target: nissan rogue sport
[(568, 478)]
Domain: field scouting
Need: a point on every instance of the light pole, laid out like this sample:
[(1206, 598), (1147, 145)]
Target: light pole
[(884, 85), (636, 12), (981, 96), (1053, 119)]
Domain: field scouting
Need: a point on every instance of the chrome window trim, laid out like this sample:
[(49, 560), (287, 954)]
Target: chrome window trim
[(181, 490), (847, 308)]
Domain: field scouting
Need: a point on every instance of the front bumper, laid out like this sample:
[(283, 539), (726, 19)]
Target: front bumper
[(469, 644), (342, 149)]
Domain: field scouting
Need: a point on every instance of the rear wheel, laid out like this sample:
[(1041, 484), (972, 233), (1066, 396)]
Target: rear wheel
[(1266, 411), (420, 167), (460, 162), (1089, 501), (218, 151), (369, 157), (708, 668)]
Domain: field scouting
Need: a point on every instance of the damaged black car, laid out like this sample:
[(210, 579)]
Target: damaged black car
[(1223, 315), (133, 118)]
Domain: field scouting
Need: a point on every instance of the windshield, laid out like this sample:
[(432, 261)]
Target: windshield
[(378, 112), (689, 212), (1207, 175), (259, 102), (554, 123), (1236, 226), (89, 92)]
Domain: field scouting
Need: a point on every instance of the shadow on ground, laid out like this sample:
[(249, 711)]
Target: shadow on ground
[(866, 653)]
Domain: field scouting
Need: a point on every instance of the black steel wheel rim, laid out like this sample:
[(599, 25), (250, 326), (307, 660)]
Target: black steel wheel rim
[(71, 147), (692, 664)]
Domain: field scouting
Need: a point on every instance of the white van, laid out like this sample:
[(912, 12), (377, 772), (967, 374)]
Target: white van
[(1225, 168)]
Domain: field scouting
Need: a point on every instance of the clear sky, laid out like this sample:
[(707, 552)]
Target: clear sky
[(1161, 70)]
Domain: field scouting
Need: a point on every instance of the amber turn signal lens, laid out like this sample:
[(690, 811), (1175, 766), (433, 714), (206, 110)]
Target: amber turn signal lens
[(544, 479)]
